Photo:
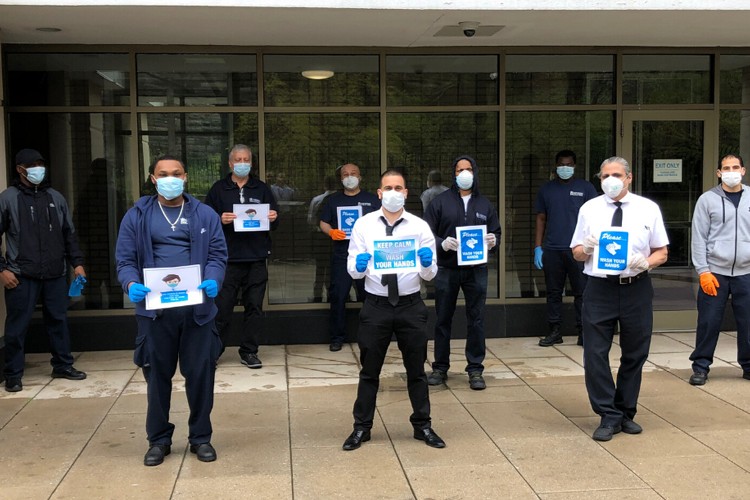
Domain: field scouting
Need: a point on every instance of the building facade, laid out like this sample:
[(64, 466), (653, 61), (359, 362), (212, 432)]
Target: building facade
[(309, 89)]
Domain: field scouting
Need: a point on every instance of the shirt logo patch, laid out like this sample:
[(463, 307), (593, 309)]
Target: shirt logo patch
[(480, 216), (253, 200), (183, 220), (576, 193)]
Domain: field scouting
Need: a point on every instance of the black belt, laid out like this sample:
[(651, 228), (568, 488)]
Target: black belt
[(380, 299), (623, 280)]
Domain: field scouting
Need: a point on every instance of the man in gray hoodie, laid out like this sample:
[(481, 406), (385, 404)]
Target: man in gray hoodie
[(721, 256)]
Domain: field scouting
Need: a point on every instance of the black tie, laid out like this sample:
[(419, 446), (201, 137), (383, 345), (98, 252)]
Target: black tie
[(617, 216), (390, 280)]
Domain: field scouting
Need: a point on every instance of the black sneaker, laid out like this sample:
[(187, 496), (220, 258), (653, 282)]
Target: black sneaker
[(13, 384), (551, 339), (476, 381), (250, 360), (698, 378), (746, 375), (335, 346), (69, 373), (437, 377)]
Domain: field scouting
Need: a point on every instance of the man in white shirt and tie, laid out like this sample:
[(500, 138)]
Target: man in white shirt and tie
[(612, 297), (392, 305)]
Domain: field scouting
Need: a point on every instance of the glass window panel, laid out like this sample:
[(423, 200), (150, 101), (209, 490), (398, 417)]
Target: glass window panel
[(735, 79), (201, 140), (88, 159), (532, 141), (559, 79), (353, 80), (67, 79), (197, 80), (302, 153), (666, 79), (420, 143), (441, 80), (734, 134)]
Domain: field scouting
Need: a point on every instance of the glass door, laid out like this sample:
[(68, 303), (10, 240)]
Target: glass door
[(669, 153)]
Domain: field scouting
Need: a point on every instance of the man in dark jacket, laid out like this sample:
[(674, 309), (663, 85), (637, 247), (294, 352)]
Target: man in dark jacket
[(248, 252), (169, 230), (461, 205), (40, 243)]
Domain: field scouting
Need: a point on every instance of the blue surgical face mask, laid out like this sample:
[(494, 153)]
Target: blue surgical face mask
[(170, 187), (465, 180), (242, 169), (35, 175), (565, 172)]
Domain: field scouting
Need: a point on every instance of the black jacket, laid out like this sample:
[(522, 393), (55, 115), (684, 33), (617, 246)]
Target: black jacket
[(446, 212), (40, 239), (243, 246)]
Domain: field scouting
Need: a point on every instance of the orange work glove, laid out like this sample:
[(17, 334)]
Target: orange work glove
[(709, 284), (337, 234)]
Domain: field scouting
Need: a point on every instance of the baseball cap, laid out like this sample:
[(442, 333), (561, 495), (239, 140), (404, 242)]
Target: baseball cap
[(27, 156)]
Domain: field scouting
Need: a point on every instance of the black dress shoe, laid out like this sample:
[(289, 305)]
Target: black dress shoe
[(356, 439), (429, 437), (69, 373), (156, 453), (335, 346), (605, 432), (13, 384), (630, 427), (204, 451)]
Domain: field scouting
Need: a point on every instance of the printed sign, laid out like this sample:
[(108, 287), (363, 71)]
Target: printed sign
[(251, 217), (347, 216), (394, 256), (172, 286), (667, 170), (611, 255), (472, 249)]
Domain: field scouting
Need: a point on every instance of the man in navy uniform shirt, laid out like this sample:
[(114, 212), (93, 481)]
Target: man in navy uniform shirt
[(341, 282), (557, 204)]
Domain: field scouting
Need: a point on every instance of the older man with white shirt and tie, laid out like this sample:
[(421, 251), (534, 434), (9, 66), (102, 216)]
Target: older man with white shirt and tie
[(619, 290)]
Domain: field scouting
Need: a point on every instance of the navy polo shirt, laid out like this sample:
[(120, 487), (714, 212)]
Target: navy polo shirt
[(561, 201), (368, 201)]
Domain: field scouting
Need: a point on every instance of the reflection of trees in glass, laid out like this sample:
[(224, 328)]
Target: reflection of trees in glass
[(343, 89)]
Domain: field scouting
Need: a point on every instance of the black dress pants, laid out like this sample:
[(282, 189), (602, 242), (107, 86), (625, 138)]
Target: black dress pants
[(379, 320), (606, 303)]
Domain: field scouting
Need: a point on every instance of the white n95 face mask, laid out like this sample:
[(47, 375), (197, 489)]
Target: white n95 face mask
[(393, 201), (350, 182), (612, 187), (731, 179), (465, 180)]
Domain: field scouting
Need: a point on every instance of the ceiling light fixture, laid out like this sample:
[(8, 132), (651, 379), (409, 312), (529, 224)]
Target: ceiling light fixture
[(317, 74), (49, 30)]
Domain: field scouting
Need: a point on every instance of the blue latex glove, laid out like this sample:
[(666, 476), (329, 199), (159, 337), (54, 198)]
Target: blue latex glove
[(211, 287), (425, 256), (538, 257), (362, 260), (76, 286), (138, 292)]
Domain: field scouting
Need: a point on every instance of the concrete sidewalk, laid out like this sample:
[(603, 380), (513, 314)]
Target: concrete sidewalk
[(278, 431)]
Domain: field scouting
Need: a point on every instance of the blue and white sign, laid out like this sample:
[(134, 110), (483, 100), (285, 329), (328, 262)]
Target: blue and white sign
[(472, 248), (251, 217), (346, 217), (394, 256), (612, 252), (172, 286)]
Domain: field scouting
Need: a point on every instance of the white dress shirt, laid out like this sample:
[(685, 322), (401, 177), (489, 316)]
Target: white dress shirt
[(641, 218), (369, 227)]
